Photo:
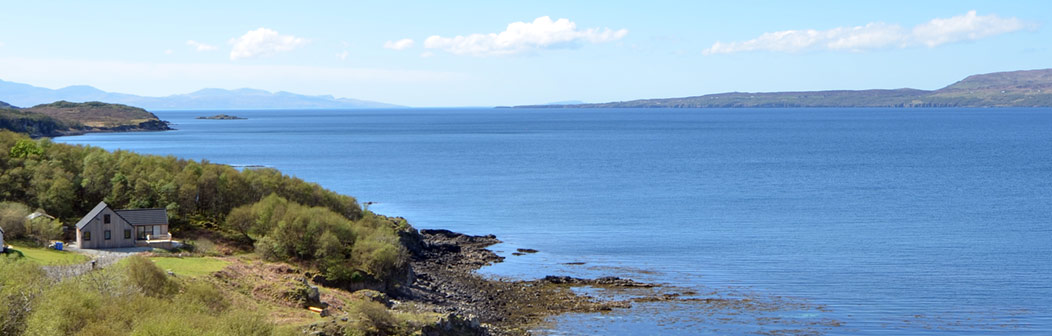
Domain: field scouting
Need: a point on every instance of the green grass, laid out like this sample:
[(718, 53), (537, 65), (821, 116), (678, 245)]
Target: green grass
[(49, 257), (191, 266)]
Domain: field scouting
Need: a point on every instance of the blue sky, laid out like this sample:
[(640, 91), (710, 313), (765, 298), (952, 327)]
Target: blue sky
[(485, 53)]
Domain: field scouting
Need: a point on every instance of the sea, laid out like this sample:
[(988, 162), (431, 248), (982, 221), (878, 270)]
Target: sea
[(823, 221)]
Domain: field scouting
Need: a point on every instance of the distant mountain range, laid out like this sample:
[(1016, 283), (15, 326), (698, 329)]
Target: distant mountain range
[(1030, 88), (24, 95)]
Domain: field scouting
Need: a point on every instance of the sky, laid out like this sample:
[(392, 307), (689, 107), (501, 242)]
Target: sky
[(491, 53)]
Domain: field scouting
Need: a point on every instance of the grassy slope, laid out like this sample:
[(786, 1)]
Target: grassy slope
[(95, 114), (49, 257), (190, 267)]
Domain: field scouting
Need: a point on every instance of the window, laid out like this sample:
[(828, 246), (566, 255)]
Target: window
[(140, 232), (106, 235), (127, 234), (105, 219), (87, 235)]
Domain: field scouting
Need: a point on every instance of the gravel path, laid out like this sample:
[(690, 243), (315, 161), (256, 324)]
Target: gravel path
[(99, 259)]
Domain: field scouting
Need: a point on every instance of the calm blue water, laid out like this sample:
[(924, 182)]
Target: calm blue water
[(845, 221)]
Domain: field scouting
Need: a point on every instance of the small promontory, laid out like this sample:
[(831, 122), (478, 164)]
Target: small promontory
[(66, 118)]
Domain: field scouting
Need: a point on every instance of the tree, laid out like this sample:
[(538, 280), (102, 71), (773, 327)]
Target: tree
[(25, 149)]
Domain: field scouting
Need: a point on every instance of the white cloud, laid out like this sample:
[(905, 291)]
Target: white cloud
[(519, 37), (399, 45), (261, 42), (965, 27), (426, 54), (168, 51), (877, 35), (343, 55), (200, 46)]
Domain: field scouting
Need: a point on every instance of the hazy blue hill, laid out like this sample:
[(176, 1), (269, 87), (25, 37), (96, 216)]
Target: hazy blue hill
[(566, 102), (27, 95), (1030, 88)]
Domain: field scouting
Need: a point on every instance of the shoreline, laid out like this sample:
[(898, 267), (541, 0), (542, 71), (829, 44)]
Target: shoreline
[(444, 274)]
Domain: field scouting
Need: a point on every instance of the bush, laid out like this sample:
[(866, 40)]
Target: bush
[(69, 309), (287, 231), (148, 278), (370, 318), (13, 219), (380, 255), (21, 283), (43, 230), (202, 296), (269, 250), (244, 323)]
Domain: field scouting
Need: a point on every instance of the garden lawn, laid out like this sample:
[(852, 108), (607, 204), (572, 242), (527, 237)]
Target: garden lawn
[(49, 257), (190, 266)]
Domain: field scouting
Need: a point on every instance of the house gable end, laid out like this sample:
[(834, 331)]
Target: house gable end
[(91, 215)]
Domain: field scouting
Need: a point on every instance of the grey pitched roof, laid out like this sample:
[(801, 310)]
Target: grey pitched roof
[(91, 214), (37, 214), (144, 216)]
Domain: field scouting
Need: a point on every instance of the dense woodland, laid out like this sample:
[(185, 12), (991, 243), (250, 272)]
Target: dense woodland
[(32, 123), (284, 218), (278, 217)]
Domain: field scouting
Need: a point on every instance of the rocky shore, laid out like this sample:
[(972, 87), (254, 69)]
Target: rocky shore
[(444, 276), (442, 279)]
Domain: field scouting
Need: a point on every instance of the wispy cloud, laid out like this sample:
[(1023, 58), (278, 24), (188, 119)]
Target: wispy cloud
[(520, 37), (200, 46), (877, 35), (263, 41), (399, 45)]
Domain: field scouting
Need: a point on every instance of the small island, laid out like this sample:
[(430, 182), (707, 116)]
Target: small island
[(223, 117)]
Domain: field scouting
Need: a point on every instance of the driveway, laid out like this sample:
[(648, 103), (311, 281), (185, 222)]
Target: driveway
[(99, 259)]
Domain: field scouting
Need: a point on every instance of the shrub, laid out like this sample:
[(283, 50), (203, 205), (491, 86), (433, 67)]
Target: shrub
[(148, 278), (370, 318), (202, 296), (13, 219), (69, 309), (21, 283), (269, 250), (243, 323)]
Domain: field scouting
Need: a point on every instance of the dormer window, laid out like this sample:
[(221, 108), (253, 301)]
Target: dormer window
[(105, 219)]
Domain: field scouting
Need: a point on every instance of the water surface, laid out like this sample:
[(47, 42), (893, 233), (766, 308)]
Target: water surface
[(862, 221)]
